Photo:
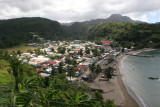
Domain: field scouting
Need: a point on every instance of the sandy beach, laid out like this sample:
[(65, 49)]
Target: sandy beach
[(115, 88)]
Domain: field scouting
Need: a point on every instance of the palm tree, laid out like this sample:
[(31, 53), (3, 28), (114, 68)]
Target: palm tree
[(99, 97), (92, 67), (53, 73), (50, 98), (109, 72), (60, 68), (27, 93), (16, 68), (70, 71), (98, 69), (77, 100), (31, 94)]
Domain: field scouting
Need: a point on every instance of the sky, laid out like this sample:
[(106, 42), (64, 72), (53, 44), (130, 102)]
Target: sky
[(66, 11)]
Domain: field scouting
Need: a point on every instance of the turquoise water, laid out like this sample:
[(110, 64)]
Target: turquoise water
[(135, 72)]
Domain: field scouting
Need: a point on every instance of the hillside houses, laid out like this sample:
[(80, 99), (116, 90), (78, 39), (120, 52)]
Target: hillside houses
[(48, 58)]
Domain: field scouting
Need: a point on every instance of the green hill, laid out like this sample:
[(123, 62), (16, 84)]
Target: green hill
[(20, 30), (139, 35), (16, 31)]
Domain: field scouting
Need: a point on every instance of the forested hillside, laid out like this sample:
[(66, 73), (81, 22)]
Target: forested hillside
[(77, 30), (16, 31), (127, 34)]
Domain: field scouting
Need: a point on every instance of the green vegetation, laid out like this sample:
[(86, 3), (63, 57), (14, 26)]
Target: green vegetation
[(6, 82), (61, 50), (30, 89), (109, 72), (19, 31), (16, 31), (127, 34), (22, 48), (5, 77)]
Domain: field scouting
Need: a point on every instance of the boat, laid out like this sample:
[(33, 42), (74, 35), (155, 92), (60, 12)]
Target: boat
[(153, 78)]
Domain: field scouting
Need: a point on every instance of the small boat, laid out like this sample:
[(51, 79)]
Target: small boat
[(153, 78)]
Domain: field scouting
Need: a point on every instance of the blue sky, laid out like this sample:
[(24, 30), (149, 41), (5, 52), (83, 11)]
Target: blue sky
[(151, 17)]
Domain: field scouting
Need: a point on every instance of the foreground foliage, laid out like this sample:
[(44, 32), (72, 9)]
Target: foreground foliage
[(30, 89)]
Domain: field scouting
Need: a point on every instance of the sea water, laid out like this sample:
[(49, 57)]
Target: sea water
[(135, 72)]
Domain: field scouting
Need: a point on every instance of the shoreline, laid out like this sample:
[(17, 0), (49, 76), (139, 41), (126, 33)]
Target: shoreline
[(132, 99), (116, 88), (129, 100)]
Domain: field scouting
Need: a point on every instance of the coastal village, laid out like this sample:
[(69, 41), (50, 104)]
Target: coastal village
[(77, 53), (82, 61)]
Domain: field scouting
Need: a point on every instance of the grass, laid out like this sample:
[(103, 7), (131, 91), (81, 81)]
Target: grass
[(22, 48), (6, 85), (5, 77)]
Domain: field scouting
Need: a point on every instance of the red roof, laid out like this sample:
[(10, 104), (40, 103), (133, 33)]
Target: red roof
[(82, 66), (52, 62), (103, 41), (108, 47), (34, 35), (130, 49)]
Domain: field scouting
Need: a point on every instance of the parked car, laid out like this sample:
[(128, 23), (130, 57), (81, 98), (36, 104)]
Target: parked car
[(85, 78)]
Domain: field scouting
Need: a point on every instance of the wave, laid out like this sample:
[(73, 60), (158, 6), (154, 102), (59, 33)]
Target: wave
[(142, 101), (134, 95)]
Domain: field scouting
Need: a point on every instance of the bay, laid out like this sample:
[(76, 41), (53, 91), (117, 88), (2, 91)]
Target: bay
[(135, 72)]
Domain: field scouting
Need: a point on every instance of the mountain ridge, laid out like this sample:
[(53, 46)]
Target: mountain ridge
[(112, 18)]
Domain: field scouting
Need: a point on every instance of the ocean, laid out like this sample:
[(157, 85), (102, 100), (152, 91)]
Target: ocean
[(135, 72)]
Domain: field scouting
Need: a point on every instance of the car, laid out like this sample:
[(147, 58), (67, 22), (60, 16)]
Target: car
[(85, 78)]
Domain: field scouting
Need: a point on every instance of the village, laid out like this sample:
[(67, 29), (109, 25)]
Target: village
[(77, 55)]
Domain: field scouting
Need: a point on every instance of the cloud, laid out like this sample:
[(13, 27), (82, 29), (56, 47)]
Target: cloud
[(144, 18), (77, 10)]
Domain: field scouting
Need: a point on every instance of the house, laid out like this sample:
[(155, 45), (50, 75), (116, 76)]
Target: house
[(108, 48), (35, 61), (54, 41), (130, 49), (26, 55), (104, 42), (52, 62), (34, 36), (41, 39), (39, 68), (48, 70), (48, 50), (96, 46), (77, 41), (84, 67), (71, 53), (76, 50)]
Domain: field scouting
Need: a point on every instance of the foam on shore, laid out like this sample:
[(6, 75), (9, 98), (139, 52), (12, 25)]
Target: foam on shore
[(135, 96)]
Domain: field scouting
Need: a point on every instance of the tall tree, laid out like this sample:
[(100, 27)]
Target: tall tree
[(16, 68), (98, 69), (70, 71), (60, 68), (109, 72), (80, 52)]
